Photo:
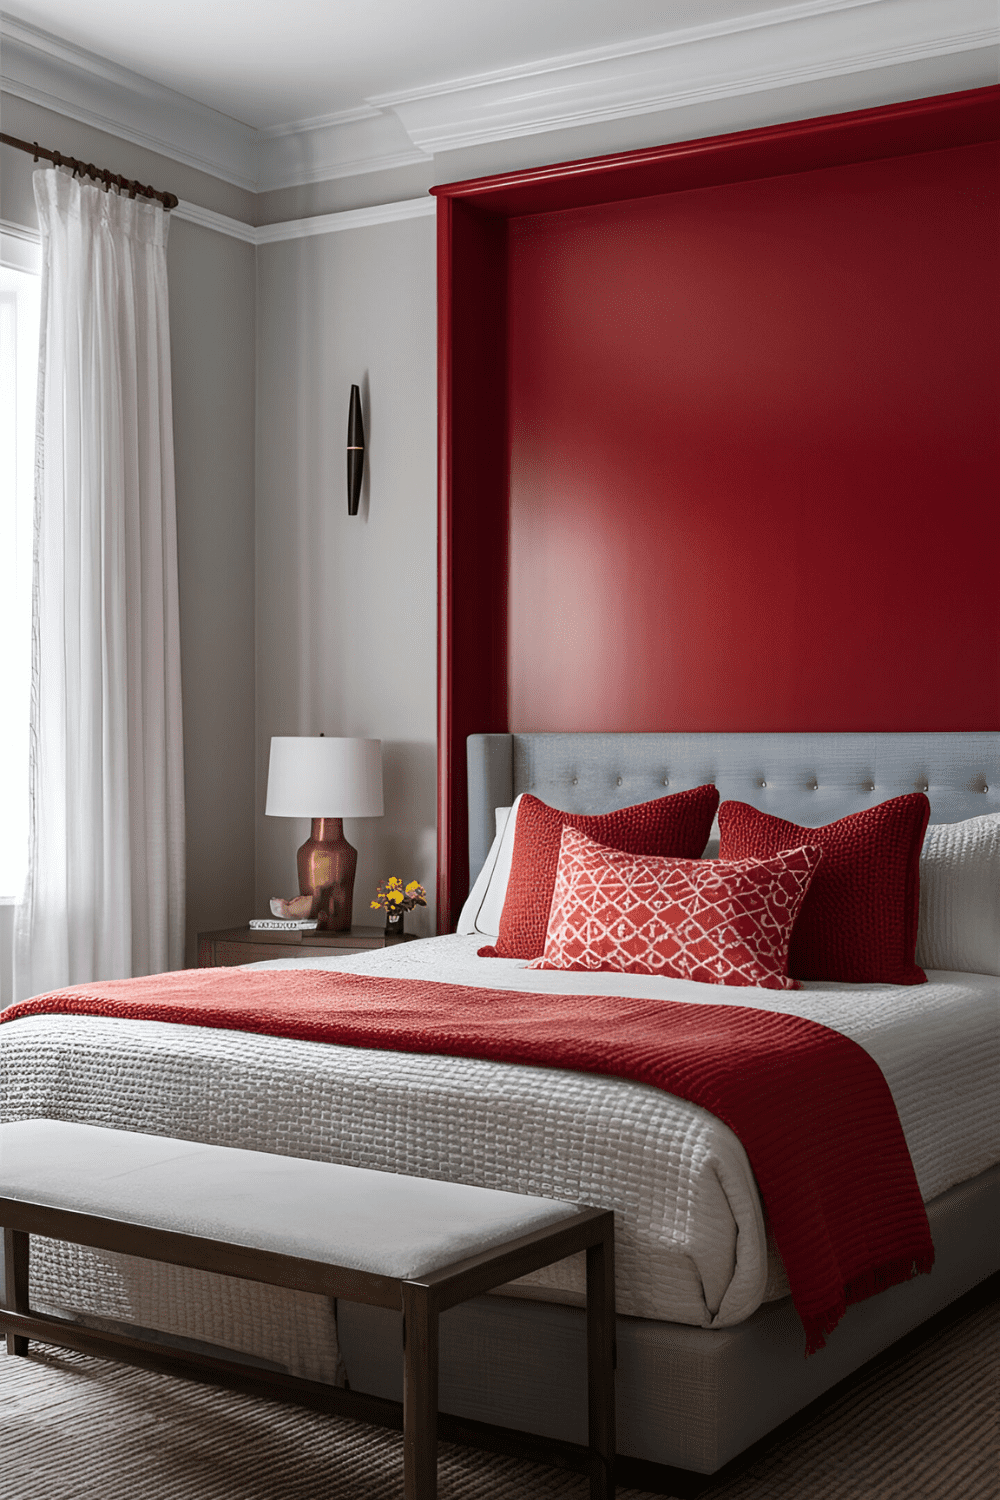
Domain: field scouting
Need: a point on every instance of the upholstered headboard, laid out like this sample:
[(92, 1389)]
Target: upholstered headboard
[(809, 778)]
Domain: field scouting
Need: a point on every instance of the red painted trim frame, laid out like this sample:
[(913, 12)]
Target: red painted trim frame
[(444, 739), (472, 526), (904, 129), (472, 374)]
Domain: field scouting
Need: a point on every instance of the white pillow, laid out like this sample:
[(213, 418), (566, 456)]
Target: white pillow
[(960, 896), (485, 901)]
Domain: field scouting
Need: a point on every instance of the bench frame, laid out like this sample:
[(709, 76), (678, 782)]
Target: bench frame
[(421, 1299)]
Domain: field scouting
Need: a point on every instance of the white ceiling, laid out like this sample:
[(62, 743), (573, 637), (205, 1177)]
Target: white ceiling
[(271, 65), (268, 98)]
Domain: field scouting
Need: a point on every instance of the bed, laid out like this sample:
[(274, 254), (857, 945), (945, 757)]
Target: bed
[(710, 1347)]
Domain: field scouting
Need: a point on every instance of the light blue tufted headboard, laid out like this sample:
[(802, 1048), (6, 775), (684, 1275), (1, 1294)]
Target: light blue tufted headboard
[(809, 778)]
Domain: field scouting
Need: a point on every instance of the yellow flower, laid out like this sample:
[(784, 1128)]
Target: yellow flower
[(393, 883), (374, 906), (394, 896)]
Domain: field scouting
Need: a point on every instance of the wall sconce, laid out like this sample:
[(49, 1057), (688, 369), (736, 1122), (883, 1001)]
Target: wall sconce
[(355, 452)]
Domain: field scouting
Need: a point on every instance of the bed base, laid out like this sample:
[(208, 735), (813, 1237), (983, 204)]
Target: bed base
[(691, 1399)]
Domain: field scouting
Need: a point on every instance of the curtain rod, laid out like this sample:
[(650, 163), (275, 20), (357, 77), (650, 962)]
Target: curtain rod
[(87, 169)]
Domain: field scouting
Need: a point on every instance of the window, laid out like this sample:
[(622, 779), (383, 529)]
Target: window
[(19, 314)]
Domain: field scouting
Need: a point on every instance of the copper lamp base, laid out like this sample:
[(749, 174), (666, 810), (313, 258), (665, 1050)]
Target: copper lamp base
[(327, 863)]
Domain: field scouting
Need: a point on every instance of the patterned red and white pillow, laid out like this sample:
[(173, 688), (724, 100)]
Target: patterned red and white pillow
[(710, 920)]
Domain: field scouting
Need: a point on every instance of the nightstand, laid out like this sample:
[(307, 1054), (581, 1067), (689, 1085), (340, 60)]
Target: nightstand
[(243, 945)]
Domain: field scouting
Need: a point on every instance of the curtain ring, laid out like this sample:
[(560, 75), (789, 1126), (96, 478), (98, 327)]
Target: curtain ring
[(57, 160), (36, 146)]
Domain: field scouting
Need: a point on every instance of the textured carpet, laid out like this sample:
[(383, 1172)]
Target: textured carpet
[(918, 1424)]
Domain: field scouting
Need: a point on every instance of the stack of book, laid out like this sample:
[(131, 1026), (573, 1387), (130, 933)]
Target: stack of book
[(284, 924)]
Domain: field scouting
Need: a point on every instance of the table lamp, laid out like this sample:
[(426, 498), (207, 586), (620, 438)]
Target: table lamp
[(326, 779)]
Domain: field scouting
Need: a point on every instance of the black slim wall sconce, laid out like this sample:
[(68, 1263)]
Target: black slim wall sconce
[(355, 452)]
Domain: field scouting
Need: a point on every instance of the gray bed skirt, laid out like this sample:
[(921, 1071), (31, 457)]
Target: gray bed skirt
[(692, 1398)]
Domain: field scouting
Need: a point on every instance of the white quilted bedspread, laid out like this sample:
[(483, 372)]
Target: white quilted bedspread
[(691, 1238)]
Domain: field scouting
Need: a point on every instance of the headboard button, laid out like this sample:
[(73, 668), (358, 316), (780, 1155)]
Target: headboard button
[(619, 781), (763, 783)]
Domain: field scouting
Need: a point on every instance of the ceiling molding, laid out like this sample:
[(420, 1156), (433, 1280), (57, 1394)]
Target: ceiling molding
[(56, 75), (351, 218), (321, 122), (366, 140), (207, 218), (616, 51), (803, 43), (770, 50), (20, 244)]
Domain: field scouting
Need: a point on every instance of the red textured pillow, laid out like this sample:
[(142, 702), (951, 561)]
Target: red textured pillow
[(859, 920), (699, 919), (677, 825)]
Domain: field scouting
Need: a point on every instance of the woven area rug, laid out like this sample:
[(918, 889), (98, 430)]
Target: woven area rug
[(919, 1424)]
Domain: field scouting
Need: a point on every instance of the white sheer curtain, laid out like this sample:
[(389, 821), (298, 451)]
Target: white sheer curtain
[(105, 890)]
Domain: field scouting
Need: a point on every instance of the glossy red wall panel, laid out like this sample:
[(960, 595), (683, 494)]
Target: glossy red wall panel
[(754, 459), (734, 430)]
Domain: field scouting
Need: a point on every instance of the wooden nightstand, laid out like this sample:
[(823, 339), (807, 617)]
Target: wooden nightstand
[(242, 945)]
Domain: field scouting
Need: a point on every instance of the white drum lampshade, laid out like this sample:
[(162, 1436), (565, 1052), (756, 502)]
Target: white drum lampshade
[(321, 776), (327, 779)]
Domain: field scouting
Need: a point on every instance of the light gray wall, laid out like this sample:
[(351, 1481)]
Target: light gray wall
[(211, 282), (346, 606), (212, 347)]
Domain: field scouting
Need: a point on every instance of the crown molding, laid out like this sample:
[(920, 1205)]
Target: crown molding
[(55, 74), (320, 122), (772, 49), (20, 244), (816, 40), (341, 145), (207, 218), (351, 218)]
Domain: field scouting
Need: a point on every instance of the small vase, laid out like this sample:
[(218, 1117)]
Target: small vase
[(394, 923)]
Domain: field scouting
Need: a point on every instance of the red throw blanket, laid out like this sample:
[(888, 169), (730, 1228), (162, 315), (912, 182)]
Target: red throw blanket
[(812, 1109)]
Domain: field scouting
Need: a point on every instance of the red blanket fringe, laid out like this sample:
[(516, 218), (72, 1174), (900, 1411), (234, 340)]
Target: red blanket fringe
[(812, 1109)]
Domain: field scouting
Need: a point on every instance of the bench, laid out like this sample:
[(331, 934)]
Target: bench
[(409, 1243)]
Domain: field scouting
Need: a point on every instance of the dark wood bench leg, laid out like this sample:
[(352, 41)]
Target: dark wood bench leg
[(601, 1361), (15, 1259), (420, 1392)]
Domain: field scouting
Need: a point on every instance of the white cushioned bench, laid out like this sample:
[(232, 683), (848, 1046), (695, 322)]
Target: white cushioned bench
[(409, 1243)]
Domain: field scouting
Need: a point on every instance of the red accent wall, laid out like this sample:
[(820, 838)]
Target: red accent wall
[(754, 454), (719, 438)]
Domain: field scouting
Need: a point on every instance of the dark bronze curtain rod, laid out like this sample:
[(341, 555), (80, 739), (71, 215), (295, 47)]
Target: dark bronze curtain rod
[(87, 169)]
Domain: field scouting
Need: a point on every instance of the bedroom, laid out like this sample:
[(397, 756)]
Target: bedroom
[(294, 616)]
